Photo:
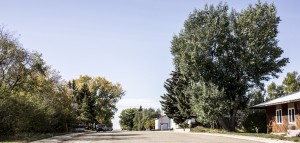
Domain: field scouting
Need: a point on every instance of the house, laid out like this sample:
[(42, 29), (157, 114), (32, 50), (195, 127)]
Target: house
[(282, 114), (165, 123)]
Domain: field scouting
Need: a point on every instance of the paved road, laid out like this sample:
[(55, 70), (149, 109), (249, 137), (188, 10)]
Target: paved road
[(152, 137)]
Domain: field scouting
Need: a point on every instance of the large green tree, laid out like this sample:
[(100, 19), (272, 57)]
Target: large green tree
[(101, 99), (33, 97), (176, 102), (209, 103), (235, 51)]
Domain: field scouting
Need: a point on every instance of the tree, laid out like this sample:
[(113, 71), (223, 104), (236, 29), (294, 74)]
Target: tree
[(209, 103), (102, 97), (35, 99), (32, 96), (85, 112), (126, 118), (148, 119), (234, 51), (176, 102), (275, 91), (291, 82), (138, 119)]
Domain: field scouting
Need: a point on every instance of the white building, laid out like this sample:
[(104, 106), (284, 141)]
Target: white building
[(165, 123)]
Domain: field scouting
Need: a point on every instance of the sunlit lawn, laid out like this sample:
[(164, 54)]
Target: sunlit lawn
[(263, 135)]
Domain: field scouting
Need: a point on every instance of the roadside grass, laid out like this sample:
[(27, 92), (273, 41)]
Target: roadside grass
[(263, 135), (27, 137)]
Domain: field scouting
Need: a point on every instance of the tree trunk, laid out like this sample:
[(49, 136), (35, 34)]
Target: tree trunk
[(232, 117), (223, 124), (232, 120)]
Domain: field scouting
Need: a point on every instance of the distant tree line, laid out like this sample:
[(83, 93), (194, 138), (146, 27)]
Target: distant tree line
[(138, 118), (35, 99), (222, 59)]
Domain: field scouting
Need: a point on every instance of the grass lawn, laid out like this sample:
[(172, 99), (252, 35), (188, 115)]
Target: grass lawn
[(263, 135), (27, 137)]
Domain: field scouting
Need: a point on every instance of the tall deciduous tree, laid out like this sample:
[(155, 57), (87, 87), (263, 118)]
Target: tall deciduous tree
[(102, 97), (234, 51), (209, 103)]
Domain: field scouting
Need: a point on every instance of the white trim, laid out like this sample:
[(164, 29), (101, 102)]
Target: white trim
[(294, 115), (280, 110), (294, 97)]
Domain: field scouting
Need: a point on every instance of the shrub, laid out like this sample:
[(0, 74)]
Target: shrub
[(256, 122)]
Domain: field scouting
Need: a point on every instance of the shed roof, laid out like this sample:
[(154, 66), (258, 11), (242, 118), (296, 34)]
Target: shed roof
[(281, 100)]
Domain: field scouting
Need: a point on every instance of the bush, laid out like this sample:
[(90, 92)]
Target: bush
[(256, 122)]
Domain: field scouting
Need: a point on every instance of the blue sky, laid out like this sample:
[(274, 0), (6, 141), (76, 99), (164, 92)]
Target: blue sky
[(125, 41)]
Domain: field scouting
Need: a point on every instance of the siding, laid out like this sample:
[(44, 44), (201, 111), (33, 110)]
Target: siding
[(273, 127)]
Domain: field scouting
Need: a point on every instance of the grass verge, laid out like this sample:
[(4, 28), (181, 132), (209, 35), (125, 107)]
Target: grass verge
[(27, 137), (262, 135)]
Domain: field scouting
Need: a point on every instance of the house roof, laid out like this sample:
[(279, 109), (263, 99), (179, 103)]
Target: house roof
[(281, 100)]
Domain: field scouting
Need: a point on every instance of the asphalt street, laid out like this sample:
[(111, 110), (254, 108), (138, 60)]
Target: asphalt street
[(154, 137)]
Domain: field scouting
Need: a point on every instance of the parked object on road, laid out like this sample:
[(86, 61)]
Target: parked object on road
[(109, 128), (103, 128)]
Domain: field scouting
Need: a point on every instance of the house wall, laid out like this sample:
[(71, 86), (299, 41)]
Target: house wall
[(162, 123), (274, 127)]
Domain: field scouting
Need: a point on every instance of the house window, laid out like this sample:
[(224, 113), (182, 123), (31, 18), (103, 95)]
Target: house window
[(279, 116), (291, 115)]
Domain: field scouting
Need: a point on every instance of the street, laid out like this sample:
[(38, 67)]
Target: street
[(151, 137)]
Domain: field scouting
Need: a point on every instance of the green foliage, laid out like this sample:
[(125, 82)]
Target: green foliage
[(256, 122), (138, 119), (95, 99), (275, 91), (233, 51), (291, 82), (126, 118), (256, 97), (209, 103), (34, 98), (176, 102), (85, 112)]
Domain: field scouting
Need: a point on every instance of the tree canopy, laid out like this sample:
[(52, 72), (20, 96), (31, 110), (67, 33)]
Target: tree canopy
[(138, 119), (290, 84), (34, 98), (95, 99), (234, 51)]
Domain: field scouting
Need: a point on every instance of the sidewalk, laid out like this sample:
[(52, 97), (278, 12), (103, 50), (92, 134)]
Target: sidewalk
[(258, 139), (58, 139)]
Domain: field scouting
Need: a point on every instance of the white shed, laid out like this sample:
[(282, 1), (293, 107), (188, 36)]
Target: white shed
[(163, 123)]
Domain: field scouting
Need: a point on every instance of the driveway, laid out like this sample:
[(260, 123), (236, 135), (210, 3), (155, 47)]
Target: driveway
[(155, 137)]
